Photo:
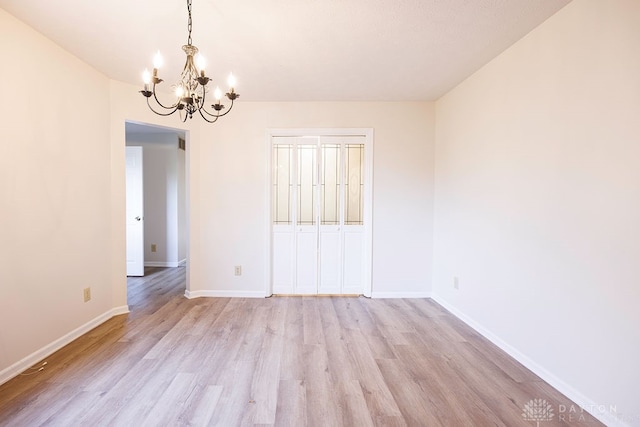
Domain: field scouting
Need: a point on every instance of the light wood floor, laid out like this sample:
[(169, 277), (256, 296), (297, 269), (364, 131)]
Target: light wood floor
[(286, 361)]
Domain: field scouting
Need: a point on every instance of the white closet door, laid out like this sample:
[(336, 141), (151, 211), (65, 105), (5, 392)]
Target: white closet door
[(318, 215), (353, 223), (306, 215), (330, 215), (282, 202)]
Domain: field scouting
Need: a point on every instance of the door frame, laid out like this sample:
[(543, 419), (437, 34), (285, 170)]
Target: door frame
[(367, 133), (187, 189)]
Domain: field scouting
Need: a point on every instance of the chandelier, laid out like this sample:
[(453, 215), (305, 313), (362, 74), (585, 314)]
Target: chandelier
[(191, 89)]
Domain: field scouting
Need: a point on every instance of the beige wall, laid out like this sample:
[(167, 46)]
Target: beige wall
[(227, 173), (537, 202), (233, 168), (54, 193)]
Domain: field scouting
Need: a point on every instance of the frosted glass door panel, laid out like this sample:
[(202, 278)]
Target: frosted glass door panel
[(307, 180), (282, 183), (354, 191), (330, 173)]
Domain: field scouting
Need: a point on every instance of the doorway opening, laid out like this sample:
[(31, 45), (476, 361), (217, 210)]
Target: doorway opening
[(156, 205)]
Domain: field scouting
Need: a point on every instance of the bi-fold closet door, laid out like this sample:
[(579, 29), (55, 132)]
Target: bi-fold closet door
[(320, 224)]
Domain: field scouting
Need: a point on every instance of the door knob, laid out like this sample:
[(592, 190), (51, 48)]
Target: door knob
[(138, 218)]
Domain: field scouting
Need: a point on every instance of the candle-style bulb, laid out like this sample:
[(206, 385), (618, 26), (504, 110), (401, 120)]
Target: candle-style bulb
[(179, 91), (201, 63), (157, 60), (146, 77), (231, 80), (217, 94)]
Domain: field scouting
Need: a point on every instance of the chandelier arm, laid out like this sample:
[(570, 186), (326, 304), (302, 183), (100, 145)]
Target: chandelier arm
[(200, 110), (210, 114), (155, 96), (223, 114), (159, 113), (218, 114), (229, 110), (203, 107), (204, 97)]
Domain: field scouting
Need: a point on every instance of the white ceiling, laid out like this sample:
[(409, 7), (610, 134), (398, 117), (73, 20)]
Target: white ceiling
[(295, 50)]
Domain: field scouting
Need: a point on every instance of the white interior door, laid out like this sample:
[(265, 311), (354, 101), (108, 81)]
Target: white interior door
[(320, 220), (330, 215), (306, 217), (135, 212)]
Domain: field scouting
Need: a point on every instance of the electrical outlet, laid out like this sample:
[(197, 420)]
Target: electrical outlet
[(238, 270), (154, 248), (456, 282), (87, 294)]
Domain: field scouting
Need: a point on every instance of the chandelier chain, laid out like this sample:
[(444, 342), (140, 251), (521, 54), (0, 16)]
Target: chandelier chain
[(190, 24)]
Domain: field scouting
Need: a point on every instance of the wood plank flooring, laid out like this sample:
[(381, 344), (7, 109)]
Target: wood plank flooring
[(285, 361)]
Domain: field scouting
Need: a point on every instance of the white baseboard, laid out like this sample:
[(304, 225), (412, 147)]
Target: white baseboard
[(261, 294), (605, 416), (170, 264), (400, 294), (224, 294), (20, 366)]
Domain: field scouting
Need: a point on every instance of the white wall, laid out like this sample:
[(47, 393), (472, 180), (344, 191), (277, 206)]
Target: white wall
[(161, 174), (233, 168), (54, 195), (182, 205), (228, 192), (538, 201)]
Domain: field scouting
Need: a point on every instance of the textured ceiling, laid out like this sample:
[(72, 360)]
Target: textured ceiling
[(295, 50)]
